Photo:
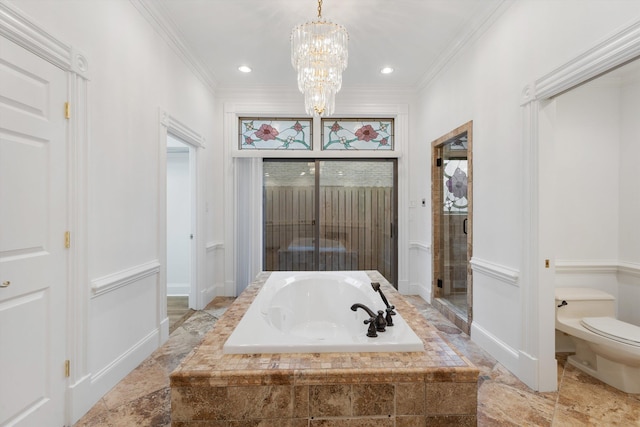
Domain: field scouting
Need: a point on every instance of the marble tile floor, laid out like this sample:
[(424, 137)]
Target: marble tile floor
[(143, 397)]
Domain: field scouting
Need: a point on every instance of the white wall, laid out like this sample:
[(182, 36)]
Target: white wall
[(586, 150), (485, 83), (133, 74)]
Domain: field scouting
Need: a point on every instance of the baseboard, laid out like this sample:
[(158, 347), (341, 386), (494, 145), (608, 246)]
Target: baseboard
[(403, 287), (421, 290), (105, 379), (208, 294), (528, 370), (78, 399), (178, 289), (505, 354), (164, 330)]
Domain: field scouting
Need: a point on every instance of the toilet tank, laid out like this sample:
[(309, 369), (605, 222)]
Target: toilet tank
[(584, 302)]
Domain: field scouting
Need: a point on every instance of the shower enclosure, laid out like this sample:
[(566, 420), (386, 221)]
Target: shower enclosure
[(330, 215), (452, 224)]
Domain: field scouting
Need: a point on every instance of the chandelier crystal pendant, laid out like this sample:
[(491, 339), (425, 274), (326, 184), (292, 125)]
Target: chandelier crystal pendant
[(319, 54)]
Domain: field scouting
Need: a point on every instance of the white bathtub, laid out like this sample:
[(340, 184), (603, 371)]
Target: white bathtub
[(310, 312)]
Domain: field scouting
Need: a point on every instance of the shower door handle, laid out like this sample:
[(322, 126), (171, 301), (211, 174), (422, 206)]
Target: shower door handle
[(464, 225)]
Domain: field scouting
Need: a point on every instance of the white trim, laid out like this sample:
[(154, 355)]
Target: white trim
[(586, 267), (631, 268), (597, 267), (420, 246), (213, 246), (156, 15), (107, 377), (113, 281), (182, 131), (507, 355), (496, 271), (616, 50)]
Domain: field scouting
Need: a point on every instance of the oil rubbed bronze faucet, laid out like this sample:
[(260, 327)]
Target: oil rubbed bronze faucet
[(376, 322), (390, 312)]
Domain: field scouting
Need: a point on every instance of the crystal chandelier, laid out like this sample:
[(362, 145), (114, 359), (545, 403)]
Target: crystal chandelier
[(319, 54)]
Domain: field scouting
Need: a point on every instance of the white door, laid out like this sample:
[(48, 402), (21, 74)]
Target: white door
[(33, 258)]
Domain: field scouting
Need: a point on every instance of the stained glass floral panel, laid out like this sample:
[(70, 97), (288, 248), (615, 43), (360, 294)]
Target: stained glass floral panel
[(356, 134), (275, 134), (455, 186)]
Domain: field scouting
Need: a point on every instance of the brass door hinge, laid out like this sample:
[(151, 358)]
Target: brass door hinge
[(67, 368), (67, 110), (67, 239)]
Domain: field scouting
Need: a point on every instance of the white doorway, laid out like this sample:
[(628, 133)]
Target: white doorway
[(181, 222)]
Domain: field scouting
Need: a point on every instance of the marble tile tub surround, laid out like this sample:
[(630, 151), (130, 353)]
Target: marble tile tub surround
[(435, 387), (503, 400)]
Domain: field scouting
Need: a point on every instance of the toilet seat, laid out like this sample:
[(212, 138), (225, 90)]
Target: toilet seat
[(614, 329)]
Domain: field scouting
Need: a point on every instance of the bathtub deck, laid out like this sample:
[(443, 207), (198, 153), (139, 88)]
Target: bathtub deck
[(434, 387)]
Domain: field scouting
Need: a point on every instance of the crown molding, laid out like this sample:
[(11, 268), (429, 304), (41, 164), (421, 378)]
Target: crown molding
[(476, 28), (616, 50), (160, 21)]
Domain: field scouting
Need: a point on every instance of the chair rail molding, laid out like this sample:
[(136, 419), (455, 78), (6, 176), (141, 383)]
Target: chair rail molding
[(113, 281), (504, 274)]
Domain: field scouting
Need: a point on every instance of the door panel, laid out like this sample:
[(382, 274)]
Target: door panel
[(33, 221)]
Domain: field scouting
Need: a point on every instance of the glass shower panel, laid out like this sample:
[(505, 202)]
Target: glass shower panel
[(357, 216), (289, 215), (454, 224)]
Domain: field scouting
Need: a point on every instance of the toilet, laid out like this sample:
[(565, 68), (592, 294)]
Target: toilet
[(605, 347)]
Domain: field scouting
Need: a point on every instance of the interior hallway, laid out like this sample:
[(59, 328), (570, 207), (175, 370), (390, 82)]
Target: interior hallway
[(143, 397)]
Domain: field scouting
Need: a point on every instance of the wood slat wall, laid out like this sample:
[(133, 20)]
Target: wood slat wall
[(355, 223)]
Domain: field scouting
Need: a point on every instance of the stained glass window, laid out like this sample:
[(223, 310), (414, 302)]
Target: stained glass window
[(357, 134), (275, 134), (455, 185)]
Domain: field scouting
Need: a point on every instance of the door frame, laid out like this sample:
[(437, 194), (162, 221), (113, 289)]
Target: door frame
[(28, 34), (316, 209), (192, 185), (170, 125), (537, 358), (442, 305)]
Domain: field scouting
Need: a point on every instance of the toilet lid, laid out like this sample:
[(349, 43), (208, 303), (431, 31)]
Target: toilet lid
[(614, 329)]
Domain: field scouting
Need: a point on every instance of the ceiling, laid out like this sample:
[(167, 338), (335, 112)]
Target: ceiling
[(415, 37)]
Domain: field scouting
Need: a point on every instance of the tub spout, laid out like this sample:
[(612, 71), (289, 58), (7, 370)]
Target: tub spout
[(377, 320), (390, 312)]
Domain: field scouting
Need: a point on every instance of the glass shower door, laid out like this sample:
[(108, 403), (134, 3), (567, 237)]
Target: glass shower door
[(454, 227)]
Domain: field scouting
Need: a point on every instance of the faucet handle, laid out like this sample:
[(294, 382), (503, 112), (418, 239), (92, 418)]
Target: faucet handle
[(371, 332), (381, 323), (390, 314)]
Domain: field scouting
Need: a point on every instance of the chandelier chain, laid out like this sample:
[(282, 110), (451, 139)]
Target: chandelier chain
[(319, 8)]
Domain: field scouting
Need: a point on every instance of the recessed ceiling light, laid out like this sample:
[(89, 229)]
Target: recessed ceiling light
[(386, 70), (244, 69)]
